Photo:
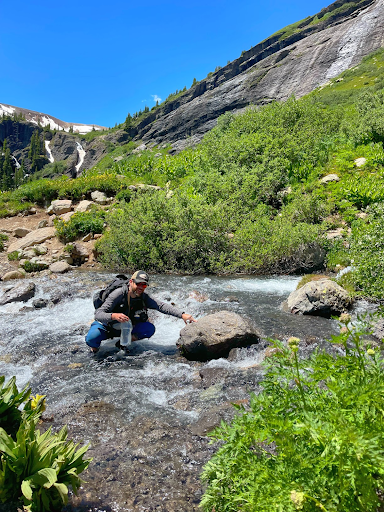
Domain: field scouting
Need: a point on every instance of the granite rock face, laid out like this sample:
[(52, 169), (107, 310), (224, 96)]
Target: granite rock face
[(271, 70), (214, 335)]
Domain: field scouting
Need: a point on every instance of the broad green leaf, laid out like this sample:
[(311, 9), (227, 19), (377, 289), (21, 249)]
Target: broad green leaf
[(26, 489), (7, 444), (43, 478)]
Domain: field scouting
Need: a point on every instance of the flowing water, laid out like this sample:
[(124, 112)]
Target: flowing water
[(146, 414)]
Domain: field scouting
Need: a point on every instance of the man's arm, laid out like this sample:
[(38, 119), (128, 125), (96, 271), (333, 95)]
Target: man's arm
[(106, 310), (167, 309)]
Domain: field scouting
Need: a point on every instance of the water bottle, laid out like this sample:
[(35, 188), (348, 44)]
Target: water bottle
[(126, 334)]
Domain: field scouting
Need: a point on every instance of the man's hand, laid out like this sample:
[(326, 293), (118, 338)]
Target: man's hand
[(120, 317), (188, 319)]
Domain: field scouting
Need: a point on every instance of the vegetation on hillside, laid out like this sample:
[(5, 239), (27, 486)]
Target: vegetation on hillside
[(249, 198)]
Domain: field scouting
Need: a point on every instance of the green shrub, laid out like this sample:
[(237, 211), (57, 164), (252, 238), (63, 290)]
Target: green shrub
[(313, 438), (13, 256), (367, 250), (180, 233), (80, 224)]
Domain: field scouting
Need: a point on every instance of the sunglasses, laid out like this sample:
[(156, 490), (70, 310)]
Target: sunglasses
[(141, 285)]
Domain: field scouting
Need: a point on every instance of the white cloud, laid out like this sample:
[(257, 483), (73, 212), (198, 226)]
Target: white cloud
[(156, 98)]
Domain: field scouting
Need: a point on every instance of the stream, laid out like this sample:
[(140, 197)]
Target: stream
[(145, 414)]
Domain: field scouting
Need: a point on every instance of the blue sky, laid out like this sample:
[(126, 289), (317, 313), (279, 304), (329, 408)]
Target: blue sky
[(93, 62)]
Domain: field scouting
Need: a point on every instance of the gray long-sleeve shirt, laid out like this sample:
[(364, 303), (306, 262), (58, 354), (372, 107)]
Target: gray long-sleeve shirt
[(117, 302)]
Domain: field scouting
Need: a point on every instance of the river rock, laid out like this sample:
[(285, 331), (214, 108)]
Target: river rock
[(21, 232), (60, 206), (321, 298), (59, 267), (40, 303), (214, 335), (19, 293), (33, 238)]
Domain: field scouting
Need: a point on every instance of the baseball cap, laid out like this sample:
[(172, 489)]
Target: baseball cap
[(140, 277)]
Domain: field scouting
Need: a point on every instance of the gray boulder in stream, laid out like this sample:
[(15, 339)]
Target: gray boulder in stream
[(19, 293), (321, 298), (214, 335)]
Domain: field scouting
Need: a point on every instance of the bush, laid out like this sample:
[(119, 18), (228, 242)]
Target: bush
[(80, 224), (181, 233), (367, 250), (312, 439)]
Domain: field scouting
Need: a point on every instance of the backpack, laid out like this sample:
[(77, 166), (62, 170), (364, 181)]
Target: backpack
[(99, 297)]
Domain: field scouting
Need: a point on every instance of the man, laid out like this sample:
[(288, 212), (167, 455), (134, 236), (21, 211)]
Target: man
[(129, 302)]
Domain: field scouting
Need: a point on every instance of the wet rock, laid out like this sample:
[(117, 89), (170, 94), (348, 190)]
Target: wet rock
[(378, 329), (214, 335), (322, 298), (19, 293), (200, 297), (40, 303)]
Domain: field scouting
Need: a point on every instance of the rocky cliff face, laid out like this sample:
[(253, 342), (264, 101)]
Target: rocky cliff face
[(319, 49)]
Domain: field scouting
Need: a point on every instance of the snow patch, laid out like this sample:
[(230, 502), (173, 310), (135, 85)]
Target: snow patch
[(4, 110)]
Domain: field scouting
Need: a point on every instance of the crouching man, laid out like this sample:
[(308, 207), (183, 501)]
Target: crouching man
[(123, 314)]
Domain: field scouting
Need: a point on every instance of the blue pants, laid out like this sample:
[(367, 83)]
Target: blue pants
[(99, 332)]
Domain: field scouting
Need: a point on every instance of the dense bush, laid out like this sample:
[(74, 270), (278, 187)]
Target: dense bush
[(367, 252), (80, 224), (311, 440), (156, 233)]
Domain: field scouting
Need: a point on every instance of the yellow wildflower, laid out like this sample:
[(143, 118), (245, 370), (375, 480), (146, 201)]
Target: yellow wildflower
[(35, 401)]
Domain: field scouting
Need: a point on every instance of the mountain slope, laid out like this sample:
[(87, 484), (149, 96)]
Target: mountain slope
[(294, 61), (43, 120)]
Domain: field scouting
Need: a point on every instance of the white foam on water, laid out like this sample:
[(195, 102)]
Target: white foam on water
[(23, 373)]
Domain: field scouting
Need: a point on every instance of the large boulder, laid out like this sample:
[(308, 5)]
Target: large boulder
[(19, 293), (33, 238), (214, 335), (321, 298)]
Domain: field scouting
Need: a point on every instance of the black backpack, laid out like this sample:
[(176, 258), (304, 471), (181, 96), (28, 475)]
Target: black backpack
[(118, 282)]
